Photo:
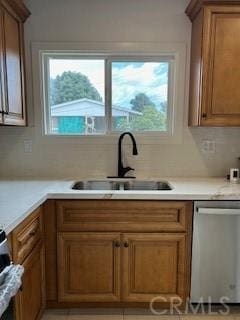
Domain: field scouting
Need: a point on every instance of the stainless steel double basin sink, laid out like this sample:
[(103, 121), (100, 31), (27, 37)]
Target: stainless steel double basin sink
[(122, 185)]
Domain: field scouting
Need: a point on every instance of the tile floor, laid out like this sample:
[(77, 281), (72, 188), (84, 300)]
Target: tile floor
[(130, 314)]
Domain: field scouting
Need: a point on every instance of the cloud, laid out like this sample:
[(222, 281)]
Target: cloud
[(149, 77)]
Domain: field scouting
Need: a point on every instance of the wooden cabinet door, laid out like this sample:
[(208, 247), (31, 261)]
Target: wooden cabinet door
[(221, 71), (88, 267), (154, 265), (14, 68), (30, 301)]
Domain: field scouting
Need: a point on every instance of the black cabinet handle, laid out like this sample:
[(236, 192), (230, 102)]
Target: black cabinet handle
[(126, 244), (117, 244), (4, 112), (204, 115)]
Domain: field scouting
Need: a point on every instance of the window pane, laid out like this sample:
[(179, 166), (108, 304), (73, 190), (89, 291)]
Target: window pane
[(140, 96), (76, 96)]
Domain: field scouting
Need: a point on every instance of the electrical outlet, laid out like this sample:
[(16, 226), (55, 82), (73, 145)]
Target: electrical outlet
[(27, 146), (208, 146)]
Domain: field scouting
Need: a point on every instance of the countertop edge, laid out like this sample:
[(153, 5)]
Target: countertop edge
[(186, 190)]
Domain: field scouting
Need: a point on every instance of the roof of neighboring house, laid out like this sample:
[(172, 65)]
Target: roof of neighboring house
[(88, 108)]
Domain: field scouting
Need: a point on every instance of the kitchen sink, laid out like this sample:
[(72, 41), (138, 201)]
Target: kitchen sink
[(96, 185), (147, 185), (123, 185)]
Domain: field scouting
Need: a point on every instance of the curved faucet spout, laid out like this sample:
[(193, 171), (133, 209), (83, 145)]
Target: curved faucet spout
[(121, 170)]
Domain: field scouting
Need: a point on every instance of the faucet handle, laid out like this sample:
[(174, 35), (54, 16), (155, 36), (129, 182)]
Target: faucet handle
[(127, 169)]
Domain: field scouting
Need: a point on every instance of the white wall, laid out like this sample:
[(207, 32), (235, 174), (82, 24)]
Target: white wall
[(111, 20)]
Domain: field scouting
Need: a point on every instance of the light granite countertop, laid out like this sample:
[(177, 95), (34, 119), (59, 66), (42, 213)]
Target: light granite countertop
[(18, 198)]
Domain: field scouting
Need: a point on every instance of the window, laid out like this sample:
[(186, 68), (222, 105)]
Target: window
[(76, 101), (98, 94), (139, 95)]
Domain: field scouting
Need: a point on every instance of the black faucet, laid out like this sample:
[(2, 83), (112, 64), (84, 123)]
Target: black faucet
[(121, 169)]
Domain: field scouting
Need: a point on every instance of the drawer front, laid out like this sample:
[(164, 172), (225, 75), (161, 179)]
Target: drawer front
[(27, 235), (125, 215)]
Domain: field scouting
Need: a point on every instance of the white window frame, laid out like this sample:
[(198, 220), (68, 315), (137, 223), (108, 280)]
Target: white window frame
[(176, 52), (108, 60)]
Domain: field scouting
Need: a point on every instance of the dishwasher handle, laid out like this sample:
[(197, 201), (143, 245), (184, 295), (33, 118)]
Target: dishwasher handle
[(218, 211)]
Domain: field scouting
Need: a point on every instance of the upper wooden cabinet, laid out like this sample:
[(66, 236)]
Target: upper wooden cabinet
[(12, 80), (215, 64)]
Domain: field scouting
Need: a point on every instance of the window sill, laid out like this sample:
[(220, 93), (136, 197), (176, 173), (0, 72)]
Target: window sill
[(111, 139)]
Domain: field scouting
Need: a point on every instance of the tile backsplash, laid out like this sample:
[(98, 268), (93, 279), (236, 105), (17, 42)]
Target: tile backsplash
[(73, 160)]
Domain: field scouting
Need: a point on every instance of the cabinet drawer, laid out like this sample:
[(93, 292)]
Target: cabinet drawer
[(124, 215), (27, 235)]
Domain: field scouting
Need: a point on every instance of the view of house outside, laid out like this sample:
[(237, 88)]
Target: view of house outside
[(142, 87), (77, 96)]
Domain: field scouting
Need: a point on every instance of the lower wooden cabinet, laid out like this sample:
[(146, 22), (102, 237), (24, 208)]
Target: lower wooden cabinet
[(96, 267), (88, 267), (154, 265), (30, 300), (28, 250), (102, 252), (117, 253)]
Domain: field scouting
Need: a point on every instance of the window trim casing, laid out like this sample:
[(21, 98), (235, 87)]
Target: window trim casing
[(115, 49)]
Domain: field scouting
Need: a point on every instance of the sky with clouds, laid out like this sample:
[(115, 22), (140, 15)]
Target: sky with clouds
[(128, 78)]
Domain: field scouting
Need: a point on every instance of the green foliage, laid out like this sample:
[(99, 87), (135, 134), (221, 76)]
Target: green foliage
[(140, 101), (150, 120), (70, 86)]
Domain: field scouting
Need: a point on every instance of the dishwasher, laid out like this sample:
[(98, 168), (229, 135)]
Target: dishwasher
[(216, 252)]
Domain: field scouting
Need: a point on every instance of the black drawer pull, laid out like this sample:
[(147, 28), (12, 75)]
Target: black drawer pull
[(4, 112), (117, 244)]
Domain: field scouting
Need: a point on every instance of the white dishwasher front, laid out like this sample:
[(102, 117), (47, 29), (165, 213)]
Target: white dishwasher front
[(216, 252)]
